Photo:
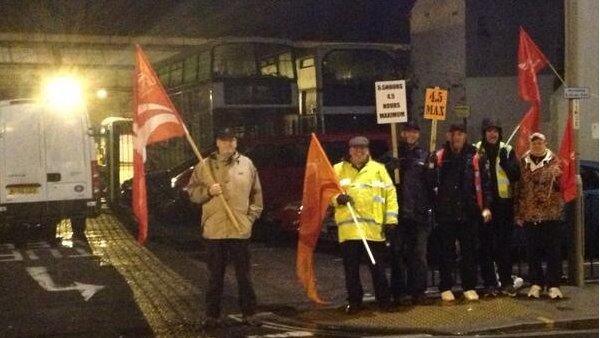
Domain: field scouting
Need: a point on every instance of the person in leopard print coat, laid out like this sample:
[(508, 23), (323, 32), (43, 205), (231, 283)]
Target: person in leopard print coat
[(539, 209)]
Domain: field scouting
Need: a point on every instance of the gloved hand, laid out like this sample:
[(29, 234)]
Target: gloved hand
[(394, 163), (389, 227), (391, 236), (342, 199), (431, 160)]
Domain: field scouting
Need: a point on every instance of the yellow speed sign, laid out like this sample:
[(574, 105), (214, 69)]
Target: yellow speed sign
[(435, 103)]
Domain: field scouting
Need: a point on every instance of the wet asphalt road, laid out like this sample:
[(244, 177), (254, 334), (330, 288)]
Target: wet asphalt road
[(50, 290), (110, 286)]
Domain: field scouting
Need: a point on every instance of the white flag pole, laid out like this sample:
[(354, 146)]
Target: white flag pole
[(513, 133), (362, 234)]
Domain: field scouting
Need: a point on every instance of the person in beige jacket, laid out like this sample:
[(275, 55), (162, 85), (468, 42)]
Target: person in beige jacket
[(226, 172)]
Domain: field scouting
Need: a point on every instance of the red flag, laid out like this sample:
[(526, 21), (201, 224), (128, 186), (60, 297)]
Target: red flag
[(531, 61), (568, 181), (154, 119), (529, 125), (320, 186)]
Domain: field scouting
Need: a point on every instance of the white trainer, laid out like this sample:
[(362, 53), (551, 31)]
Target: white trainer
[(471, 295), (447, 296), (534, 291), (554, 293)]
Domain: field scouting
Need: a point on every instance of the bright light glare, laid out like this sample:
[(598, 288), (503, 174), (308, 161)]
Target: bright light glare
[(102, 93), (63, 92)]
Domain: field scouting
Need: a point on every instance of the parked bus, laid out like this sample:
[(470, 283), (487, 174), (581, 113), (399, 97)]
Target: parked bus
[(336, 81), (251, 84), (245, 83)]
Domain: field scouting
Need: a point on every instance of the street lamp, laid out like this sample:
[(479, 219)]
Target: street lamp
[(102, 93), (63, 92)]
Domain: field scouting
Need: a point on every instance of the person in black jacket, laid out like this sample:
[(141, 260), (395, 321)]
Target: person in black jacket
[(501, 165), (460, 206), (415, 197)]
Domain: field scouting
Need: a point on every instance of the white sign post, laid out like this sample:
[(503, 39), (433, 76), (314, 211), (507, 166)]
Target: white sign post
[(390, 100)]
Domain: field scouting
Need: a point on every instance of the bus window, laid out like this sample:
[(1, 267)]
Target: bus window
[(190, 69), (268, 66), (275, 61), (163, 75), (308, 62), (349, 75), (286, 66), (204, 66), (176, 77), (234, 60)]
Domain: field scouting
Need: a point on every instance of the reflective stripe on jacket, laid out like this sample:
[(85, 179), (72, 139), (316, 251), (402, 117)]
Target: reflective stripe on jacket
[(374, 199), (503, 183)]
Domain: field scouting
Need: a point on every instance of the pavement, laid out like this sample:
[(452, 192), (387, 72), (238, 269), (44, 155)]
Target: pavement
[(578, 310), (168, 286)]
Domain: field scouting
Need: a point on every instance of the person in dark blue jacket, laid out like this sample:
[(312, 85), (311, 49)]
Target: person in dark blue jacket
[(463, 194), (408, 241)]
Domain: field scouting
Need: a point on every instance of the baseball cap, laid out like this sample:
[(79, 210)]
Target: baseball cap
[(359, 141), (536, 136)]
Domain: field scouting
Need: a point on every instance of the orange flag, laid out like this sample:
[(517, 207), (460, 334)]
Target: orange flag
[(320, 185), (154, 120)]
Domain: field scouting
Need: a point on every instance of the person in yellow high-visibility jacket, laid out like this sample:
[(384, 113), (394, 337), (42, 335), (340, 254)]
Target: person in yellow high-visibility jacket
[(370, 191)]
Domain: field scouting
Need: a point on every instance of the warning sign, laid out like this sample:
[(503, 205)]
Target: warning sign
[(435, 103), (390, 99)]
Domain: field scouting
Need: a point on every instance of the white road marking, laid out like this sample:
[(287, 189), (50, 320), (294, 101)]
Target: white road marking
[(40, 274)]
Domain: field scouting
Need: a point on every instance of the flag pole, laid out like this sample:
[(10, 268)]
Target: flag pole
[(513, 133), (221, 197), (362, 234)]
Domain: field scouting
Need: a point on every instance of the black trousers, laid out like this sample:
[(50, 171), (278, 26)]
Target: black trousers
[(544, 243), (353, 252), (495, 239), (408, 259), (466, 234), (219, 253)]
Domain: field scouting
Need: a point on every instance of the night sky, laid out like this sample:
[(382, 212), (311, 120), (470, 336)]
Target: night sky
[(334, 20)]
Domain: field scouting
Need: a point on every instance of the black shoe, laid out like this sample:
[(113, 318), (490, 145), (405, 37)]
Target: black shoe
[(404, 300), (509, 291), (422, 299), (386, 307), (211, 323), (352, 309), (489, 292), (250, 320)]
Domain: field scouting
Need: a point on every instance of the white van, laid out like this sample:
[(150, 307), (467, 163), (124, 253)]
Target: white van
[(48, 168)]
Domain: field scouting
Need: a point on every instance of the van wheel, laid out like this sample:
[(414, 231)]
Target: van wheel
[(49, 232), (16, 234), (78, 227)]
